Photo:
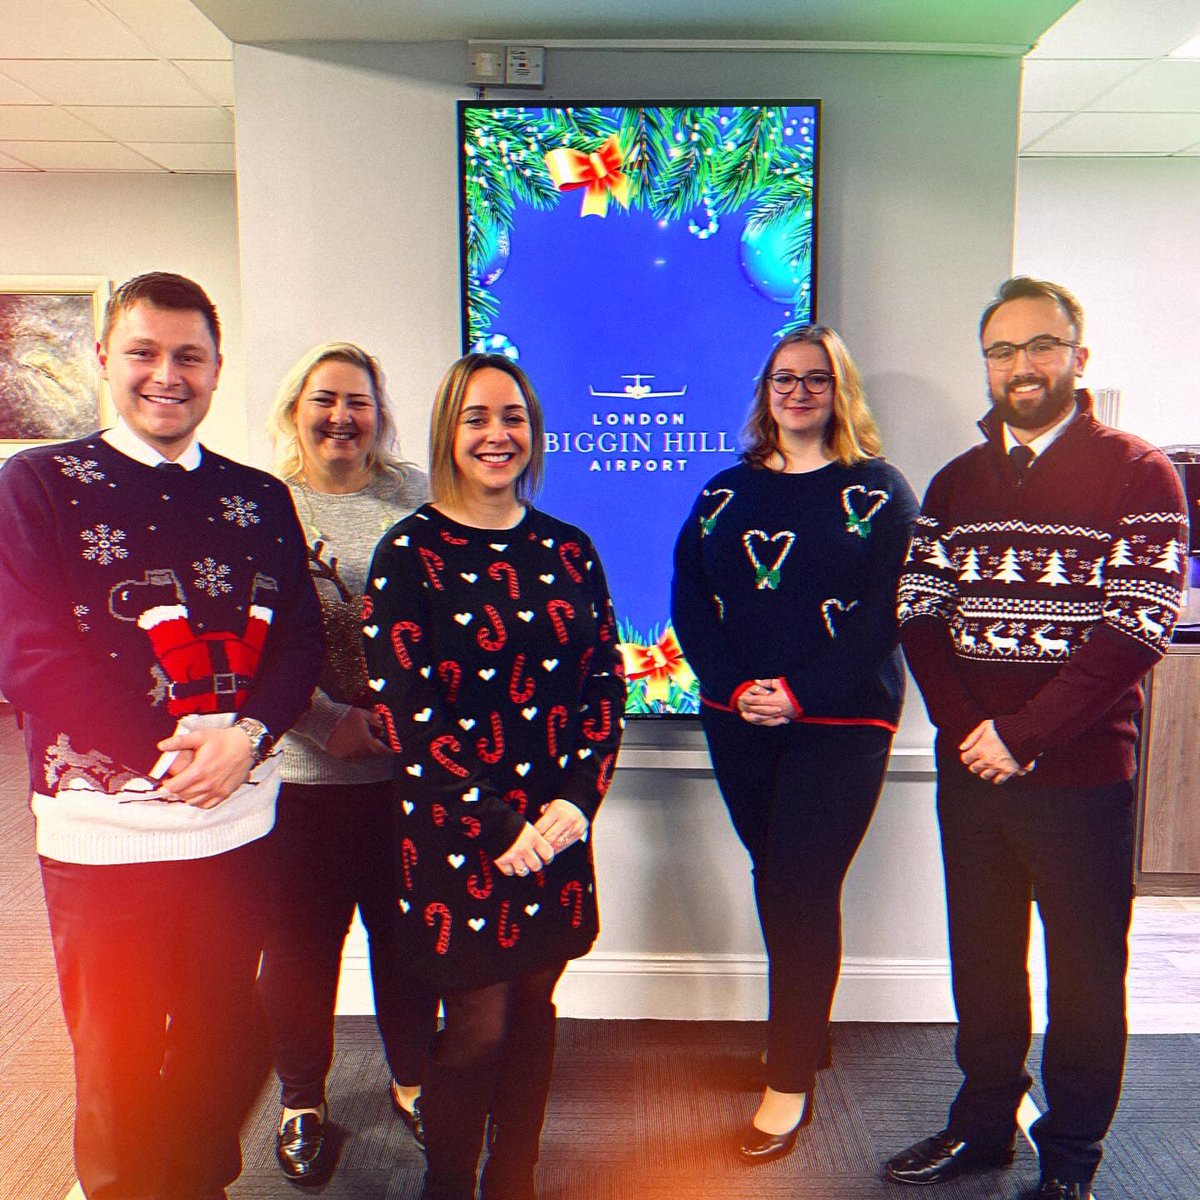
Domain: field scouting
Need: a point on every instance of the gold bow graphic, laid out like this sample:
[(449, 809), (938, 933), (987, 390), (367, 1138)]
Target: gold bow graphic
[(658, 664), (599, 173)]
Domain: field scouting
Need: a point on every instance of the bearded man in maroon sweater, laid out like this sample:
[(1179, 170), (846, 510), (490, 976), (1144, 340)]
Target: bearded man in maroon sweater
[(1042, 583)]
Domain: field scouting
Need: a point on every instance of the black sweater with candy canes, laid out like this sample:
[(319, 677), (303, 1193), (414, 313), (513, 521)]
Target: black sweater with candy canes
[(793, 576), (493, 654)]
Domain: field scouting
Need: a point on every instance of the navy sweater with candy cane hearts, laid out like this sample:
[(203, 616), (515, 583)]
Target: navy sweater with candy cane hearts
[(793, 576)]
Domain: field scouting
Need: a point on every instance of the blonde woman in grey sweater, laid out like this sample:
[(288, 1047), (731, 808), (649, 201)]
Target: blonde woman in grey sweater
[(334, 438)]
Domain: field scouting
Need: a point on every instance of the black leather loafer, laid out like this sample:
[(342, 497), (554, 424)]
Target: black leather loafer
[(411, 1117), (943, 1156), (1060, 1189), (759, 1147), (303, 1149)]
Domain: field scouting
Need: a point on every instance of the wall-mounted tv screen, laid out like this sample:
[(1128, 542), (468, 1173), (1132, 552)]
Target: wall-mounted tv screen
[(638, 261)]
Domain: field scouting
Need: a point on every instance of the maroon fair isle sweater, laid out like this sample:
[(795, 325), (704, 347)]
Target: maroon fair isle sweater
[(1040, 600)]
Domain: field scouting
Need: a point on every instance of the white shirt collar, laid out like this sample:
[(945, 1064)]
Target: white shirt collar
[(120, 437), (1043, 441)]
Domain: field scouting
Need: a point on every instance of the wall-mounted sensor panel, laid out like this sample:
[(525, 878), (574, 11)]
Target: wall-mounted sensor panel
[(525, 67)]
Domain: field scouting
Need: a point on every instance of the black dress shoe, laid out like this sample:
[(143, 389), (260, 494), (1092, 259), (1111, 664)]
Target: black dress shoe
[(760, 1147), (303, 1149), (1060, 1189), (411, 1117), (934, 1159)]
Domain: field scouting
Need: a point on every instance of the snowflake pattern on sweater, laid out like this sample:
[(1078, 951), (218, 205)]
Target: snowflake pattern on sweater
[(494, 658)]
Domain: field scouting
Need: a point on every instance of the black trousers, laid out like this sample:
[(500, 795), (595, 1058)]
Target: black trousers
[(332, 850), (1073, 848), (493, 1057), (801, 798), (156, 965)]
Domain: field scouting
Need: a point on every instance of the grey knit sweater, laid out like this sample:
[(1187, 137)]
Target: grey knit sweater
[(348, 527)]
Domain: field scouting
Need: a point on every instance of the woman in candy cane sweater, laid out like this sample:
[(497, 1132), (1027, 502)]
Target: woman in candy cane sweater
[(491, 647), (784, 602)]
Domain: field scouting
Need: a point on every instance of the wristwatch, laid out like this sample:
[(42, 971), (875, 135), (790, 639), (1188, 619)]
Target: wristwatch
[(261, 741)]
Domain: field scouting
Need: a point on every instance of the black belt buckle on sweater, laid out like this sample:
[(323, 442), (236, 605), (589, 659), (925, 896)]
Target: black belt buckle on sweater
[(220, 683)]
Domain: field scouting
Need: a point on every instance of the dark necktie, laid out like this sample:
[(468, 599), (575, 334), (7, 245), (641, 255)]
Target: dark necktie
[(170, 466), (1020, 457)]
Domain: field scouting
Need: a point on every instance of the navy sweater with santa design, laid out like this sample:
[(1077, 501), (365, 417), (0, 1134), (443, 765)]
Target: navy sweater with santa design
[(132, 599), (1040, 598)]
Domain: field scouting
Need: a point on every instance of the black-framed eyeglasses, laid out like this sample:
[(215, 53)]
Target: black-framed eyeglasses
[(1037, 349), (816, 382)]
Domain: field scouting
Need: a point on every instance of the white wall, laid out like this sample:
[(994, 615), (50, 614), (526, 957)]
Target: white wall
[(118, 226), (1124, 235), (349, 218)]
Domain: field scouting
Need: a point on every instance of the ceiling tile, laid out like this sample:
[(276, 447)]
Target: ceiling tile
[(1119, 29), (180, 156), (127, 124), (1165, 86), (1034, 125), (1050, 85), (172, 28), (12, 164), (11, 92), (66, 29), (78, 156), (1121, 133), (107, 83), (213, 78), (43, 123)]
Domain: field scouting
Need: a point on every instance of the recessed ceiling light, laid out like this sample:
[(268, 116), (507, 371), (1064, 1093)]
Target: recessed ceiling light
[(1189, 49)]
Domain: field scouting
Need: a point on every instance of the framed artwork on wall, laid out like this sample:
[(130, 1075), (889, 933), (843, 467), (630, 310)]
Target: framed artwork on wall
[(49, 380)]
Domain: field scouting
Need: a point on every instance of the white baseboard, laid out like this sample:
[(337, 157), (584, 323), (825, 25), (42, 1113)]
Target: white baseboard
[(718, 987)]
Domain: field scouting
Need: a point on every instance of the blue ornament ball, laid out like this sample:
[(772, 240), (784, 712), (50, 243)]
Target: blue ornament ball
[(496, 343), (768, 267), (495, 257)]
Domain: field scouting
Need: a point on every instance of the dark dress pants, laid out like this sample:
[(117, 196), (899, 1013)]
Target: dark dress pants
[(156, 965), (1073, 849), (332, 850), (801, 798)]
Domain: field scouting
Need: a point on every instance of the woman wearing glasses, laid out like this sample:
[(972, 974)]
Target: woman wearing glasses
[(784, 603)]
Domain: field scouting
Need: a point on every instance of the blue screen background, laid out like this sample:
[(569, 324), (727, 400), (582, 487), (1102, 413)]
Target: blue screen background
[(585, 302)]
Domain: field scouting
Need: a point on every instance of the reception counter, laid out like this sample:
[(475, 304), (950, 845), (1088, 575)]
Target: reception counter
[(1168, 851)]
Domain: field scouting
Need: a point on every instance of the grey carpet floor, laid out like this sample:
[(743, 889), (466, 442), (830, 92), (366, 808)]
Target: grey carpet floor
[(652, 1109)]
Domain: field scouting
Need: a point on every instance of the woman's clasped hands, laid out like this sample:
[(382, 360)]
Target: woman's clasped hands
[(766, 702), (560, 825)]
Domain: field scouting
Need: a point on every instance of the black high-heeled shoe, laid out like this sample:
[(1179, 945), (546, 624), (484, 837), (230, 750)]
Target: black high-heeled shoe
[(760, 1147)]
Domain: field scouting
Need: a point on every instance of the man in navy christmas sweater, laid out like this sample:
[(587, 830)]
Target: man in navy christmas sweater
[(160, 631), (1042, 583)]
